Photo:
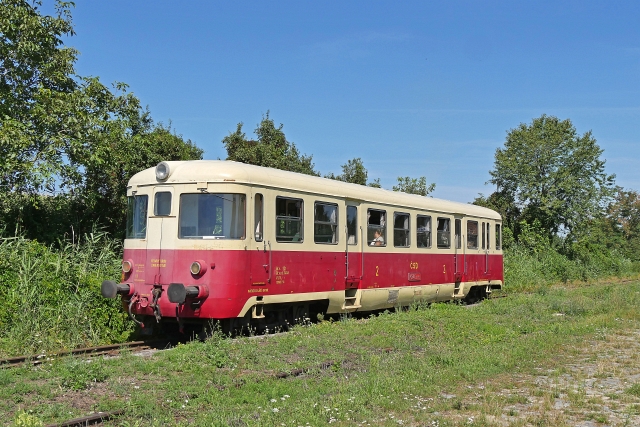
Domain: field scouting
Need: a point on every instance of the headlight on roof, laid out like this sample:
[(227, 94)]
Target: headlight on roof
[(162, 171)]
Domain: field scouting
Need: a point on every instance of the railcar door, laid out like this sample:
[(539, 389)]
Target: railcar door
[(354, 261), (260, 247), (487, 264), (159, 262), (459, 255), (353, 246)]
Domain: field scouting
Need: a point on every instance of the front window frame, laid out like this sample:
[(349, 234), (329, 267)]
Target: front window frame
[(203, 218), (137, 215), (160, 203)]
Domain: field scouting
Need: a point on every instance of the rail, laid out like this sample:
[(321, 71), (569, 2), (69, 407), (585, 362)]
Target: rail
[(86, 351), (92, 419)]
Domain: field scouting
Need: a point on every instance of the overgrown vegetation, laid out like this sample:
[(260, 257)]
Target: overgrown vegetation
[(533, 261), (51, 297)]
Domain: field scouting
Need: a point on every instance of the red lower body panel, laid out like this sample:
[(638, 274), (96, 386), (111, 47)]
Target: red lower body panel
[(232, 277)]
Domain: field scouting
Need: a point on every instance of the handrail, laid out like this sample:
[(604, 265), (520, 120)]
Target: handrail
[(362, 251), (464, 254), (346, 252), (455, 253), (270, 260), (486, 261)]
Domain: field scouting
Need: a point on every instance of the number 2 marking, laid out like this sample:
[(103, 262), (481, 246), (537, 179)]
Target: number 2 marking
[(377, 271)]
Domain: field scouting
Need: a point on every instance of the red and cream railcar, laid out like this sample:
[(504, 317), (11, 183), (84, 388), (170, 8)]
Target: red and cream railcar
[(241, 243)]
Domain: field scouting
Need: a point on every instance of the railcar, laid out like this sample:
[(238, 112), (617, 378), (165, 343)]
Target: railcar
[(257, 247)]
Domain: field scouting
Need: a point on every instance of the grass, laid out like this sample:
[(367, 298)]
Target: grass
[(446, 365)]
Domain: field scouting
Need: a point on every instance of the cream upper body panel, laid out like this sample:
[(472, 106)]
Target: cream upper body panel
[(223, 171)]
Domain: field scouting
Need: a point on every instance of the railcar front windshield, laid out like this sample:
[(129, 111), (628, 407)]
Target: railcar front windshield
[(137, 217), (212, 216)]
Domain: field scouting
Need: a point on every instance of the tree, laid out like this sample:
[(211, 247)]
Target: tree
[(36, 75), (414, 185), (68, 144), (353, 171), (622, 223), (551, 174), (271, 149), (375, 183)]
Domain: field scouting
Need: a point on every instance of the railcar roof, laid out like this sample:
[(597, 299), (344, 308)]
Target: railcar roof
[(184, 172)]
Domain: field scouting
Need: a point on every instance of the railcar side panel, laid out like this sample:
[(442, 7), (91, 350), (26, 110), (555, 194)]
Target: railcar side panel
[(295, 238), (230, 282)]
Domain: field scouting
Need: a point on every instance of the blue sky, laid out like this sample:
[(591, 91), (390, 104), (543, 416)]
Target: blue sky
[(413, 88)]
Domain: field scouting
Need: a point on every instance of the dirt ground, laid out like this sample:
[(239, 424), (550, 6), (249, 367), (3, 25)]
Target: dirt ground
[(594, 384)]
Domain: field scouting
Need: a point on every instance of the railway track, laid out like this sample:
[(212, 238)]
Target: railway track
[(88, 420), (111, 349)]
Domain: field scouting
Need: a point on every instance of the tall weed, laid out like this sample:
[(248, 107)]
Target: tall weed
[(51, 297), (527, 269)]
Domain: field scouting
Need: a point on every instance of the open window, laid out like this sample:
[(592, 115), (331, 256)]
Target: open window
[(325, 223), (289, 226), (376, 227)]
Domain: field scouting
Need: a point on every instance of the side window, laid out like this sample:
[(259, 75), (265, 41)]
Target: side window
[(488, 236), (259, 217), (352, 225), (401, 230), (444, 233), (325, 223), (458, 233), (423, 231), (162, 204), (483, 235), (498, 236), (289, 220), (472, 234), (376, 227), (137, 217)]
